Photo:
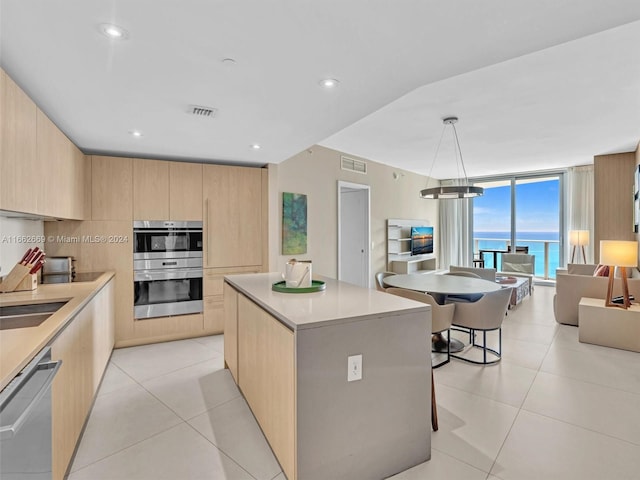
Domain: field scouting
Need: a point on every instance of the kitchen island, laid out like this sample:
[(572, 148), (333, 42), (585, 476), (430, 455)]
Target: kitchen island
[(291, 355)]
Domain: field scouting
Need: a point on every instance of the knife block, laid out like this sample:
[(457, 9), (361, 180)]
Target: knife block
[(19, 279)]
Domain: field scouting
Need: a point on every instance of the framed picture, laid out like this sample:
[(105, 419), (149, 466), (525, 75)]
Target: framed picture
[(294, 223)]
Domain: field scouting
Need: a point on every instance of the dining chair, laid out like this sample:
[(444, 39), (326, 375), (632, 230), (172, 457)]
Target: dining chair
[(441, 317), (485, 273), (379, 280), (484, 315)]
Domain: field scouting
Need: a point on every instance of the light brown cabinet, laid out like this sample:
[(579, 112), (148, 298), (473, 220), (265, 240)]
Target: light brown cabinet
[(213, 290), (165, 190), (185, 191), (233, 216), (61, 168), (231, 330), (18, 159), (111, 188), (150, 189), (266, 369), (84, 347), (37, 160)]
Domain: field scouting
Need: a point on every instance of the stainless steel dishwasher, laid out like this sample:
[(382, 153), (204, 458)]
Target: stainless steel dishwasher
[(25, 421)]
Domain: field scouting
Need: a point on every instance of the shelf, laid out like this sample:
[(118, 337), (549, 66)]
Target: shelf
[(399, 257)]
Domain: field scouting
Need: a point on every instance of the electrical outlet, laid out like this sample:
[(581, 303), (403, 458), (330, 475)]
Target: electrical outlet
[(354, 368)]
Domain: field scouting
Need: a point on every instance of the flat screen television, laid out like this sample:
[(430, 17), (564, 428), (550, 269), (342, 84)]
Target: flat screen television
[(421, 240)]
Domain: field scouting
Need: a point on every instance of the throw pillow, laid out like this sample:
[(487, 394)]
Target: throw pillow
[(601, 271)]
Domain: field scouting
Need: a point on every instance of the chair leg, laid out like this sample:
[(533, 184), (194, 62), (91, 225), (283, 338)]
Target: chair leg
[(434, 409)]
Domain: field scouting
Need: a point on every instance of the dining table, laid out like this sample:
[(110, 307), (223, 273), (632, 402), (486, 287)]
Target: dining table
[(440, 286)]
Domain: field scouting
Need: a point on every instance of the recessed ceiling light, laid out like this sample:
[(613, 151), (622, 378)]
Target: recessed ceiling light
[(255, 146), (230, 62), (329, 82), (135, 133), (114, 31)]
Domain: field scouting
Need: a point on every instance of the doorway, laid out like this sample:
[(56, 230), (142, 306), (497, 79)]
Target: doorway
[(354, 234)]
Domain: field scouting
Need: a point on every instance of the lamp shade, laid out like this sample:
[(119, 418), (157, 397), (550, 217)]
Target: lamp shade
[(619, 253), (579, 238)]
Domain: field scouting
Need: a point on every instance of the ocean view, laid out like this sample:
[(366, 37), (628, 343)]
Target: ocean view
[(534, 240)]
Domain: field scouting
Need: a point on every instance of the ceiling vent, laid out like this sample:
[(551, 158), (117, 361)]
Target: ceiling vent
[(353, 165), (200, 111)]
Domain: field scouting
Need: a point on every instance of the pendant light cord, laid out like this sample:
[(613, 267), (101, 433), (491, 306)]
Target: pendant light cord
[(464, 170), (436, 155)]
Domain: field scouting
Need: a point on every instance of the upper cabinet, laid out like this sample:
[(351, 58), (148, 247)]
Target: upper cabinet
[(63, 182), (164, 190), (185, 191), (233, 215), (150, 189), (112, 189), (43, 172)]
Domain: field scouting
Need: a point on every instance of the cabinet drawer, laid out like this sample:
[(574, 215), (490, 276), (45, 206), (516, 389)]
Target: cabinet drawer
[(213, 314), (214, 278)]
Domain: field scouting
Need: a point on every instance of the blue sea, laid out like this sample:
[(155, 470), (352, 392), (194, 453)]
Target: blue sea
[(534, 240)]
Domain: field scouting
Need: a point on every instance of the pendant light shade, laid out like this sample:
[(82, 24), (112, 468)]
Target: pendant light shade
[(451, 191)]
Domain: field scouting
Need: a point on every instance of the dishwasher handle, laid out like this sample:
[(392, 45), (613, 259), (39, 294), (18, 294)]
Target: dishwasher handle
[(8, 431)]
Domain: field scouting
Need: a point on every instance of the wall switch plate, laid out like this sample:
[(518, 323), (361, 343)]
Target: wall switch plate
[(354, 368)]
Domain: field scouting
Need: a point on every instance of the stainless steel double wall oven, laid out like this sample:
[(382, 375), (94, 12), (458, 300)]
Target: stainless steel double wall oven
[(167, 268)]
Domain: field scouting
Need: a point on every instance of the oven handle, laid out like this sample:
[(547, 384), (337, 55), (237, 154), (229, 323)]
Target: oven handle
[(171, 274)]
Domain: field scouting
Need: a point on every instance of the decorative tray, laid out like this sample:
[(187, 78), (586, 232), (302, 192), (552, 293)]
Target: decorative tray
[(316, 286), (501, 279)]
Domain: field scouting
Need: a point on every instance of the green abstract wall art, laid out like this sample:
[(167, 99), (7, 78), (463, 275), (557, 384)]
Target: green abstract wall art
[(294, 223)]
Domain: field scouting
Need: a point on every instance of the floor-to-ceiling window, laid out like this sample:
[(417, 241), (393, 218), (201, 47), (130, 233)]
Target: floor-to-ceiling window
[(523, 214)]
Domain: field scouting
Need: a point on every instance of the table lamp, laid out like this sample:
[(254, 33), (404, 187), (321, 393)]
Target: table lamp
[(578, 238), (618, 253)]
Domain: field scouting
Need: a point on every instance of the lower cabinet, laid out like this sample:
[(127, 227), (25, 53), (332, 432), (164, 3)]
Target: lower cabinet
[(84, 347), (260, 353), (213, 290)]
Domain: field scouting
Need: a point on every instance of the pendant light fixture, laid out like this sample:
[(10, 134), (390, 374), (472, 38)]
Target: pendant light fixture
[(452, 191)]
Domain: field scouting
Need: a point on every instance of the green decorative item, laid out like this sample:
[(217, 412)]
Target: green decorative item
[(316, 286), (294, 223)]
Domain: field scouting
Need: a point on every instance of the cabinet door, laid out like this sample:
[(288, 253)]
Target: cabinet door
[(185, 191), (84, 347), (231, 330), (150, 189), (233, 216), (18, 159), (267, 378), (60, 169), (111, 192)]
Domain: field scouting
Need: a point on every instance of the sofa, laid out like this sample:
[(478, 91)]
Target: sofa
[(577, 281)]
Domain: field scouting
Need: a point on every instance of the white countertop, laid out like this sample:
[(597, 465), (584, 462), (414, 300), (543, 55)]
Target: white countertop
[(340, 302)]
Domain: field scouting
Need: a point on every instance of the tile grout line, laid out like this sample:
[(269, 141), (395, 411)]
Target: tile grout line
[(520, 409), (123, 449), (219, 449)]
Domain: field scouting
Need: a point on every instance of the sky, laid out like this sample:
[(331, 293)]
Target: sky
[(537, 208)]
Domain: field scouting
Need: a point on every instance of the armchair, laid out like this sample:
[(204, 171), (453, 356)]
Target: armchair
[(519, 265)]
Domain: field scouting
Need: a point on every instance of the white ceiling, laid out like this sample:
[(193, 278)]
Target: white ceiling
[(536, 85)]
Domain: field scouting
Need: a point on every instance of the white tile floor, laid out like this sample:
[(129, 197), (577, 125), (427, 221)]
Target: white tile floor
[(552, 409)]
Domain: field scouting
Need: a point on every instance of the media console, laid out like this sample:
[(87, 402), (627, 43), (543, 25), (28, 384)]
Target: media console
[(399, 257)]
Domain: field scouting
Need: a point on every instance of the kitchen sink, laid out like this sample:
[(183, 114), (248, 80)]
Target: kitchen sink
[(24, 316)]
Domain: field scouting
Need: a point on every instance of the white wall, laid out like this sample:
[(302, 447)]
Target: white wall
[(315, 172), (16, 237)]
